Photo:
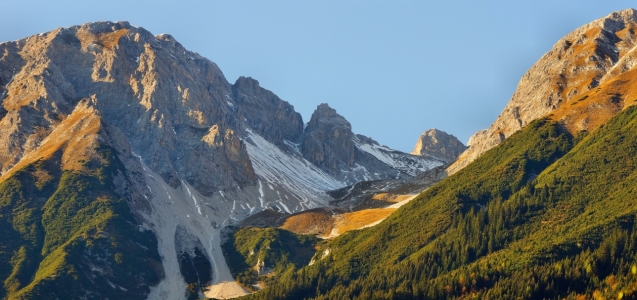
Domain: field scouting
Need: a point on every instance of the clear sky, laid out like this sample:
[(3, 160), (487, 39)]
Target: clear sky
[(392, 68)]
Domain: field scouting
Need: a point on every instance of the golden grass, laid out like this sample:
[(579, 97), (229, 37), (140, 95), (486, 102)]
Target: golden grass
[(309, 222), (589, 109), (109, 40), (76, 136), (388, 197), (595, 107), (323, 223), (359, 219)]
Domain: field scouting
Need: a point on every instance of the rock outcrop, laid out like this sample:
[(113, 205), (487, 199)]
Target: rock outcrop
[(439, 145), (597, 59)]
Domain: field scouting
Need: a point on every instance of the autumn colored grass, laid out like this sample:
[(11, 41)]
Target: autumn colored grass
[(361, 219), (316, 222)]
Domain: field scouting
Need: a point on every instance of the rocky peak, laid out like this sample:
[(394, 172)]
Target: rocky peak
[(324, 115), (439, 145), (171, 98), (587, 64), (264, 112), (328, 141)]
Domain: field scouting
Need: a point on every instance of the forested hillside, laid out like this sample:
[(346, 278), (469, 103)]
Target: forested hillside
[(543, 215), (65, 233)]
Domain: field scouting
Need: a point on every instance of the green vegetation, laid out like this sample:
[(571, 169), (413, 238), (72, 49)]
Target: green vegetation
[(543, 215), (282, 252), (67, 235)]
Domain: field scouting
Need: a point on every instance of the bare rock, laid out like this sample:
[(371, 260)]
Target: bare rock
[(329, 141), (438, 144), (265, 113)]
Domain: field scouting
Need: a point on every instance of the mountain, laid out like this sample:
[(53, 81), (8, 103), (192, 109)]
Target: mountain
[(124, 155), (128, 161), (545, 209), (439, 144), (583, 80)]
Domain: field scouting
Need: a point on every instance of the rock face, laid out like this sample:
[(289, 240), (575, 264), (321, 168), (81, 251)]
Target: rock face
[(438, 144), (172, 98), (265, 113), (589, 62), (329, 140), (198, 152)]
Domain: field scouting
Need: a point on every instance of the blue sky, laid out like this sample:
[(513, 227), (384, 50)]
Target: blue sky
[(392, 68)]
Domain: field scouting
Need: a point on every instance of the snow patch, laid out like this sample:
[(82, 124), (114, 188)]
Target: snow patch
[(10, 81), (294, 146), (403, 162), (295, 174), (194, 200), (261, 194), (285, 207)]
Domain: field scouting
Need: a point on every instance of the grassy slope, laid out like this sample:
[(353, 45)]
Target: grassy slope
[(66, 234), (529, 219)]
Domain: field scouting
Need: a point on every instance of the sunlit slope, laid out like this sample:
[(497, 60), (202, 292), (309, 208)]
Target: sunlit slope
[(532, 218)]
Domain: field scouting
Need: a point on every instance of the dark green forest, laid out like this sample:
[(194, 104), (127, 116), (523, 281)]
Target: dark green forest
[(544, 215)]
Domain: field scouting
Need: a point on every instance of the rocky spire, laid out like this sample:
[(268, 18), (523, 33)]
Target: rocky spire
[(328, 140)]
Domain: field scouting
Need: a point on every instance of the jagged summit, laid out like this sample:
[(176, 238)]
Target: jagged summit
[(324, 113), (581, 81), (438, 144)]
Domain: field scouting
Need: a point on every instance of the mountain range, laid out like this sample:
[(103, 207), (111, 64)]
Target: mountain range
[(161, 133), (132, 169)]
